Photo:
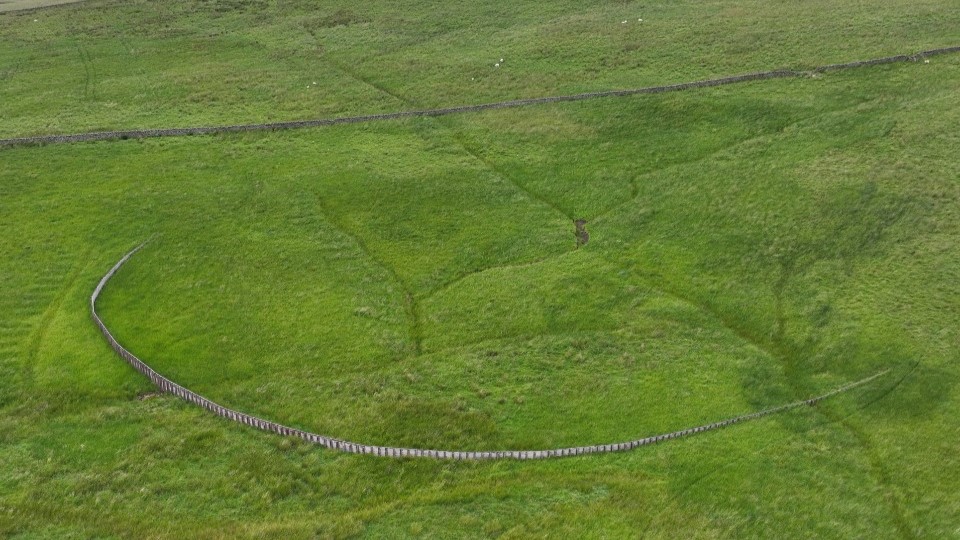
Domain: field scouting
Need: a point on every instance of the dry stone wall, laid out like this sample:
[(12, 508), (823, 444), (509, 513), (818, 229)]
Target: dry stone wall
[(205, 130), (171, 387)]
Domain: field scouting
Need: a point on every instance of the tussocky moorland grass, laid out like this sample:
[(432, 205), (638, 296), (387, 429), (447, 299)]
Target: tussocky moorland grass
[(419, 282)]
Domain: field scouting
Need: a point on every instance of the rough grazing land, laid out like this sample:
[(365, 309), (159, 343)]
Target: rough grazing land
[(421, 283)]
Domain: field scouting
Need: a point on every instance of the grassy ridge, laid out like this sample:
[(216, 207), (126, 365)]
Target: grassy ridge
[(419, 283)]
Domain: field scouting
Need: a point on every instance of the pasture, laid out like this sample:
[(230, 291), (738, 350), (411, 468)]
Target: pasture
[(555, 275)]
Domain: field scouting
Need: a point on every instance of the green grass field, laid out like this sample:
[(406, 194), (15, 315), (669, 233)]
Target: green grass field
[(419, 282)]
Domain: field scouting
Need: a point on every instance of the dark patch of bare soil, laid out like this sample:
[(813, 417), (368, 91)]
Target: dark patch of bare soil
[(581, 233)]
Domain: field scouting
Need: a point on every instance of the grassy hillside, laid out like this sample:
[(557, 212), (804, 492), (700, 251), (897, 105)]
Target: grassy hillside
[(419, 282), (103, 64)]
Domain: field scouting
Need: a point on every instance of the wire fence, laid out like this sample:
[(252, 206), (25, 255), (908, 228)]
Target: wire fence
[(171, 387)]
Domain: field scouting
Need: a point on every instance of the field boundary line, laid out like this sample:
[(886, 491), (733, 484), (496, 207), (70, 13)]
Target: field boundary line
[(298, 124), (185, 394)]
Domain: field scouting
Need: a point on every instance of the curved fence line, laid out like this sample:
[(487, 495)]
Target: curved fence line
[(294, 124), (355, 448)]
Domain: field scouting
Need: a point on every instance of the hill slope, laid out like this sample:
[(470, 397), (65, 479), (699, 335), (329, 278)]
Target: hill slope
[(420, 282)]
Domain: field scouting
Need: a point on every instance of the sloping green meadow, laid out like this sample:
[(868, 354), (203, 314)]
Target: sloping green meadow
[(419, 282)]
